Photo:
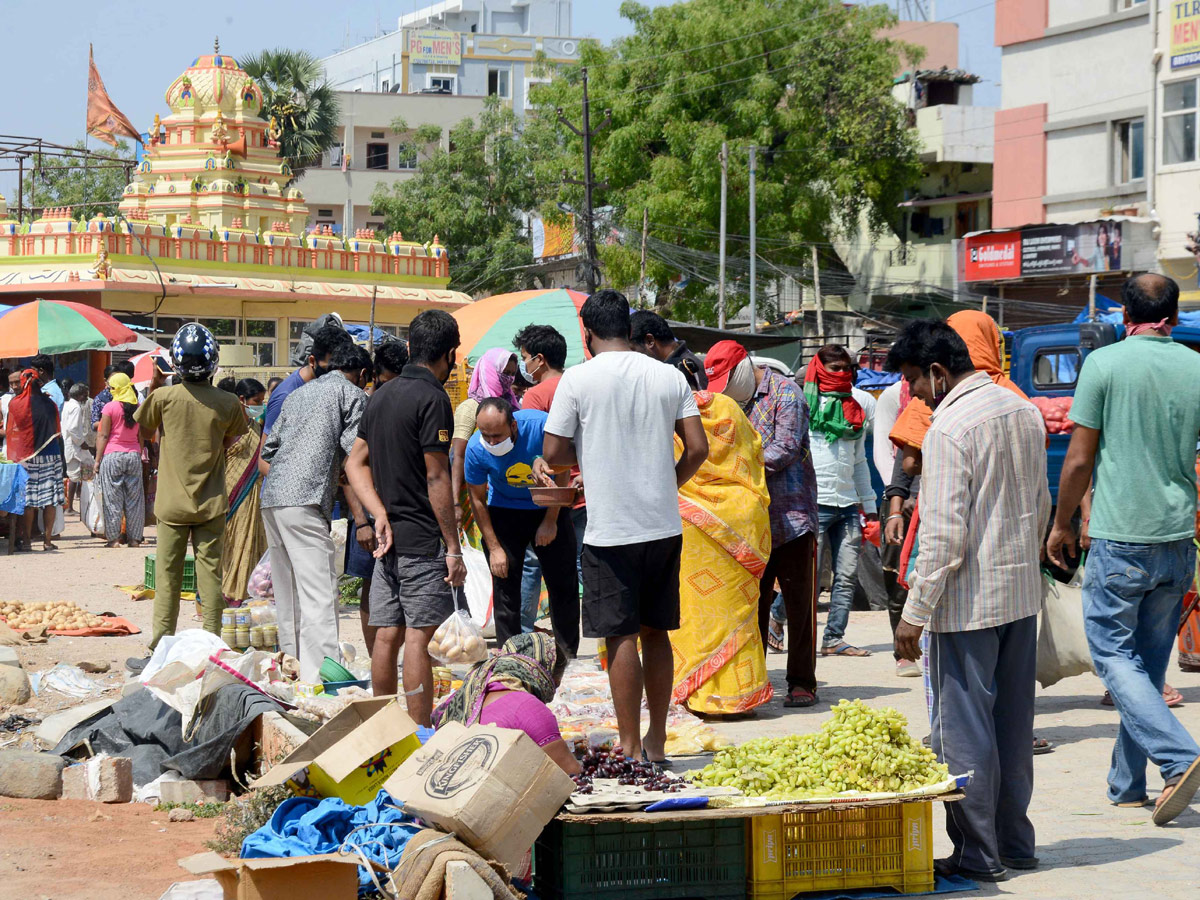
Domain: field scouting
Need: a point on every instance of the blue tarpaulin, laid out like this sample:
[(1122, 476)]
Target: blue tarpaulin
[(872, 379)]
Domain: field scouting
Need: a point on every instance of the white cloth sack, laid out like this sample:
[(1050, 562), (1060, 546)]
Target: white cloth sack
[(1062, 649), (478, 589)]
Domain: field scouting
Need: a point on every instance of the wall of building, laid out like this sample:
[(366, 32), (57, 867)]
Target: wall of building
[(939, 39), (495, 16)]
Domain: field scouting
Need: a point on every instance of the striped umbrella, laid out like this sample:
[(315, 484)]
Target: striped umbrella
[(493, 321), (53, 326)]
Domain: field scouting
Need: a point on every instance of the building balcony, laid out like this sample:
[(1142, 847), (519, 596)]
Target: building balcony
[(959, 134)]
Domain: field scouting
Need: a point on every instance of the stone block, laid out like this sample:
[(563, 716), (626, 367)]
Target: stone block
[(206, 791), (29, 775), (14, 686), (9, 657), (111, 783)]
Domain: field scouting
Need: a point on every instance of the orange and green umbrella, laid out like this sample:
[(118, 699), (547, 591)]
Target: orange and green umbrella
[(494, 321), (54, 326)]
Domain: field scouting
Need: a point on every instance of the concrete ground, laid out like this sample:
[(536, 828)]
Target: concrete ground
[(1087, 848)]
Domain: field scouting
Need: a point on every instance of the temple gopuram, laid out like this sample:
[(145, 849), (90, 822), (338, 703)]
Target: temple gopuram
[(212, 228)]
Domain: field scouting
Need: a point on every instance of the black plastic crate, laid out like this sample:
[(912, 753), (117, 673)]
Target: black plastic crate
[(699, 858)]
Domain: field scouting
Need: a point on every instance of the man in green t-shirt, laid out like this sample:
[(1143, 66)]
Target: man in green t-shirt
[(197, 423), (1137, 415)]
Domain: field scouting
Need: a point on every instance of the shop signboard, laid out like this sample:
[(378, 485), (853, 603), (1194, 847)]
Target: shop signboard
[(1185, 33), (1081, 248), (434, 47)]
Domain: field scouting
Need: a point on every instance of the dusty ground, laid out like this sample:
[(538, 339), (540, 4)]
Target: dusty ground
[(1087, 848)]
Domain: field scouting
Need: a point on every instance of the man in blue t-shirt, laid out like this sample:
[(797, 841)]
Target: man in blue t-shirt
[(498, 465)]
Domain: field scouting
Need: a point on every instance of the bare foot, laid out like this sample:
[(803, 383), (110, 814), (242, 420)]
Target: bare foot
[(112, 543), (133, 545), (655, 747)]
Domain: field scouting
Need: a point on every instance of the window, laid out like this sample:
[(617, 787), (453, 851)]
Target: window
[(333, 156), (1131, 154), (406, 156), (295, 329), (260, 334), (385, 86), (1179, 122), (499, 83), (530, 85), (325, 213), (1129, 4), (442, 84), (377, 156), (1056, 368), (377, 135)]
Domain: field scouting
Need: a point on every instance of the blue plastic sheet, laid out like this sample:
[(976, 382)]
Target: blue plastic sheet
[(943, 884), (306, 826), (13, 479)]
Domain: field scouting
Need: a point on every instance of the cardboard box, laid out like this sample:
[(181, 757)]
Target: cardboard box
[(351, 755), (327, 877), (493, 787)]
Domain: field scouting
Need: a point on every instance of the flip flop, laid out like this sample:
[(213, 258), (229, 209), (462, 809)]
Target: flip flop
[(798, 697), (1041, 745), (1182, 791), (774, 638), (844, 649), (1172, 700), (1133, 804)]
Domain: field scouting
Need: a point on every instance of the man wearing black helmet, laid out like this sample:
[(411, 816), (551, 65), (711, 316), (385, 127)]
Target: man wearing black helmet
[(197, 422)]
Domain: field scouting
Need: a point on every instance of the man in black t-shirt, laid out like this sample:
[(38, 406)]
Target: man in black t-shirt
[(400, 469), (653, 336)]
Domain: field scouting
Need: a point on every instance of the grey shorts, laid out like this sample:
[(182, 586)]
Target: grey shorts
[(410, 591)]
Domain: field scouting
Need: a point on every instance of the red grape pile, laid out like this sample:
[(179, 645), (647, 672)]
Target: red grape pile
[(626, 771)]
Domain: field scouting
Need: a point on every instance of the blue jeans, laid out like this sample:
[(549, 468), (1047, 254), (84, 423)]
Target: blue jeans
[(840, 527), (1132, 600)]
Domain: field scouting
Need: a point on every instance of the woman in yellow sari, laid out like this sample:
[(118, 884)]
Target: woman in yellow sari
[(720, 666), (245, 537)]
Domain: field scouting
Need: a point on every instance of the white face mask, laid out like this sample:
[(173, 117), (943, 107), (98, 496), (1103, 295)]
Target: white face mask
[(741, 384), (501, 449)]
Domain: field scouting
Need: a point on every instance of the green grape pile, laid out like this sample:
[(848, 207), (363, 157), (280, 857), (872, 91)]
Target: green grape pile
[(859, 749)]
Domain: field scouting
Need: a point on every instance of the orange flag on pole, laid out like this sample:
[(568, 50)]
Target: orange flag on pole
[(104, 120)]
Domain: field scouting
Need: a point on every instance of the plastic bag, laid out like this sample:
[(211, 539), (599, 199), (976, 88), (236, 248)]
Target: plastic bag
[(478, 589), (93, 507), (66, 679), (458, 640), (260, 579), (1062, 648)]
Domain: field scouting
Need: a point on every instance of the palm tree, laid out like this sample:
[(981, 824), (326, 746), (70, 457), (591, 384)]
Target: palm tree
[(296, 94)]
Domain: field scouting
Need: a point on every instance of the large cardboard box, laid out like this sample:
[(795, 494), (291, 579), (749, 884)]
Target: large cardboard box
[(493, 787), (351, 755), (326, 877)]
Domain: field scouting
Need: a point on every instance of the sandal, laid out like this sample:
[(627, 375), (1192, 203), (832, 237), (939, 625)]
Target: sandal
[(800, 697), (775, 637), (844, 649), (1041, 745), (1133, 804), (1170, 696), (1181, 788)]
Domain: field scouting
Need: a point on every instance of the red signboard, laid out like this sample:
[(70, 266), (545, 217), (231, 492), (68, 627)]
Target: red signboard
[(992, 256)]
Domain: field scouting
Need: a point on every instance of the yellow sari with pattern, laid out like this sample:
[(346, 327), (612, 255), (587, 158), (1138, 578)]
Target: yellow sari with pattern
[(720, 665)]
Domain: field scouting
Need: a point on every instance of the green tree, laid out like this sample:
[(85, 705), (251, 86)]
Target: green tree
[(296, 93), (88, 184), (806, 81), (473, 196)]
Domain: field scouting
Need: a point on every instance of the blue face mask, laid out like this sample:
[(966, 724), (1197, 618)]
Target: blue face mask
[(255, 412), (525, 373)]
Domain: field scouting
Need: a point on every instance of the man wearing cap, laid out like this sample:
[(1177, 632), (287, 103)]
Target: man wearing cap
[(777, 410)]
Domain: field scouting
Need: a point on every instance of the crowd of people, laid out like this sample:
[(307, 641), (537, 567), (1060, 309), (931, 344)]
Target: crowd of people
[(694, 501)]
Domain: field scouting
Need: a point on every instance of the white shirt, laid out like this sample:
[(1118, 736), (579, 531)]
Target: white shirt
[(75, 426), (984, 509), (883, 451), (620, 408), (4, 401), (843, 476)]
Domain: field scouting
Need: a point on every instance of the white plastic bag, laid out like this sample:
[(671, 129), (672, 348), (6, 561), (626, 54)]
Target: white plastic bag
[(1062, 649), (92, 506), (478, 589), (260, 579), (458, 640), (339, 529)]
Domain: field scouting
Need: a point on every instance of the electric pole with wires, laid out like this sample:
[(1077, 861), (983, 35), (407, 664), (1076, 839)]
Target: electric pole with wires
[(587, 133)]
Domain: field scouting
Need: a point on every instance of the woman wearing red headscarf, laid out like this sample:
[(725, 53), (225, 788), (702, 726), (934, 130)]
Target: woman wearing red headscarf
[(32, 439)]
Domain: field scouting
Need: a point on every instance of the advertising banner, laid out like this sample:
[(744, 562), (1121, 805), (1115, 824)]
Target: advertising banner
[(434, 47), (1185, 33), (1082, 248)]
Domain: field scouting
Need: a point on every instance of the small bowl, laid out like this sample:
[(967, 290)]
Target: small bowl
[(332, 670), (548, 497)]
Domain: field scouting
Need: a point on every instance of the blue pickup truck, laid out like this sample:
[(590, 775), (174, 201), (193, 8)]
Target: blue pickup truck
[(1045, 362)]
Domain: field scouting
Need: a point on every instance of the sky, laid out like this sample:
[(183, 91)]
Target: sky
[(141, 47)]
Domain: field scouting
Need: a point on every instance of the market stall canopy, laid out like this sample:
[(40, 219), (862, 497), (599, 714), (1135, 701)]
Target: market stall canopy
[(51, 326), (700, 338), (493, 321)]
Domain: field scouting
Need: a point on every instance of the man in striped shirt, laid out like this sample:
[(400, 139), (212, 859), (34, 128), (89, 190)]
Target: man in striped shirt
[(984, 506)]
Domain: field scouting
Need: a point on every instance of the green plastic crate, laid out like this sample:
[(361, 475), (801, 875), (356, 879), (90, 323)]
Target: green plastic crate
[(189, 573), (700, 858)]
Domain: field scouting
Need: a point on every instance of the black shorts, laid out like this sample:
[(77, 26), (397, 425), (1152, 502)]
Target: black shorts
[(630, 586)]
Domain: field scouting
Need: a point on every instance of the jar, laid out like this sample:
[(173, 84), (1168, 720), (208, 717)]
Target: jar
[(243, 636), (256, 636), (228, 618), (271, 637), (229, 635), (242, 617)]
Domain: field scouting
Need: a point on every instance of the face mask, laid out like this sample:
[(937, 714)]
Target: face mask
[(525, 373), (255, 411), (740, 387), (501, 449), (318, 370)]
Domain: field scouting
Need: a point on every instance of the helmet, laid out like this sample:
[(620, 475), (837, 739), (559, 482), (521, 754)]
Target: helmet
[(194, 352)]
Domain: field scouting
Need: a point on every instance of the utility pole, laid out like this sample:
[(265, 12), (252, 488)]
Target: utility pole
[(1091, 298), (721, 263), (371, 329), (645, 231), (587, 132), (753, 245), (817, 297)]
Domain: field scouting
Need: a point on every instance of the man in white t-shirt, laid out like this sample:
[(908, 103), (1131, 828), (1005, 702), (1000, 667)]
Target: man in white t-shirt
[(617, 415)]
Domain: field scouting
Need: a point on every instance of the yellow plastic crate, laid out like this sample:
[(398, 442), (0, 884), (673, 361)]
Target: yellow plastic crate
[(841, 848)]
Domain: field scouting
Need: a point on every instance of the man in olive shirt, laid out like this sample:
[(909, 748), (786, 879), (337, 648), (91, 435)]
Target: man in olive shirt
[(197, 423)]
